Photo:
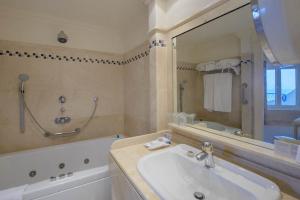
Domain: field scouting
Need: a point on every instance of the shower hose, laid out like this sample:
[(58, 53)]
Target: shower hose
[(47, 133)]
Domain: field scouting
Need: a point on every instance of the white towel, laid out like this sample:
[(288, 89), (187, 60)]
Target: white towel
[(222, 96), (231, 63), (228, 63), (200, 67), (209, 81), (209, 66), (15, 193)]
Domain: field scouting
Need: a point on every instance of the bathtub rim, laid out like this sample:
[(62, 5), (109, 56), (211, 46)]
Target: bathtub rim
[(9, 154), (47, 187)]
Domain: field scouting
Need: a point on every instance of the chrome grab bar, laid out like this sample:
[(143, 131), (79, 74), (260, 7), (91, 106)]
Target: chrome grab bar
[(243, 94), (63, 134), (46, 133)]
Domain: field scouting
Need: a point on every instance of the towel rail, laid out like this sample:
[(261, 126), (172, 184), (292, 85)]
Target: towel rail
[(227, 70)]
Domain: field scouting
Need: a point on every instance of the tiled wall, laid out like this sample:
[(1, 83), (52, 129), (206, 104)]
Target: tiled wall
[(79, 75), (136, 92)]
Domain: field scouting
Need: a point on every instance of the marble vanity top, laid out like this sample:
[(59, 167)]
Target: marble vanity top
[(126, 153)]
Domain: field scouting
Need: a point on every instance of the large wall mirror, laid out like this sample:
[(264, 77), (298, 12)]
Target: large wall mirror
[(226, 85)]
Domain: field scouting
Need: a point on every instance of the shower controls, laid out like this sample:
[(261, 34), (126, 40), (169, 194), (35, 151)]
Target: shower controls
[(62, 120), (62, 99), (62, 110), (32, 173)]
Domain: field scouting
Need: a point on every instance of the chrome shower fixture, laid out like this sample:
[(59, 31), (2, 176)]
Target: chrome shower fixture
[(181, 89), (62, 37), (23, 78), (95, 99), (59, 120)]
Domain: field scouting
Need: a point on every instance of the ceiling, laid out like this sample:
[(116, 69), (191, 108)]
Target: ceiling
[(116, 14)]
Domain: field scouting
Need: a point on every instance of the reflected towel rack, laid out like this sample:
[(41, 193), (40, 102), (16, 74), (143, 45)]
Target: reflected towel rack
[(227, 70)]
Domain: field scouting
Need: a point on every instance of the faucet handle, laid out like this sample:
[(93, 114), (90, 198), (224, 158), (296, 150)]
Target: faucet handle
[(207, 147)]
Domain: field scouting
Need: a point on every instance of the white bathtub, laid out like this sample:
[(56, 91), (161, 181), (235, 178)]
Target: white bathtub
[(216, 126), (87, 161)]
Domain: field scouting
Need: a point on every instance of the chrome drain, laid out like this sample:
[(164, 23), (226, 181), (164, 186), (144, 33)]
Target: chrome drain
[(199, 195)]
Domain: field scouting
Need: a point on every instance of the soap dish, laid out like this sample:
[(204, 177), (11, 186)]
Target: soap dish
[(158, 143)]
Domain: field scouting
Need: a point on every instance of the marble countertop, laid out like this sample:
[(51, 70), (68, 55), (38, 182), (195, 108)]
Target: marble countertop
[(126, 153)]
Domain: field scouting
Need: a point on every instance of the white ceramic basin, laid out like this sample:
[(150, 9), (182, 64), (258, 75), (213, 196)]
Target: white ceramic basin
[(175, 176)]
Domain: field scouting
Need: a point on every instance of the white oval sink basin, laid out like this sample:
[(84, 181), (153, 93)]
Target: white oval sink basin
[(175, 176)]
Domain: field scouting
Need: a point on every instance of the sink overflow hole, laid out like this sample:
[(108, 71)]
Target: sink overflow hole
[(199, 195)]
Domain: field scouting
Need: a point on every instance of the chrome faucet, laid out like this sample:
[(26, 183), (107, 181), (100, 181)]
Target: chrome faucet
[(207, 154)]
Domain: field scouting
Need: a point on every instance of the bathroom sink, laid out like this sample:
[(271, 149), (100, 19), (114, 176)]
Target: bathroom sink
[(173, 175)]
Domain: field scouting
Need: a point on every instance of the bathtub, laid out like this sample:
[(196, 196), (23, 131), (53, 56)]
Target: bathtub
[(216, 126), (75, 171)]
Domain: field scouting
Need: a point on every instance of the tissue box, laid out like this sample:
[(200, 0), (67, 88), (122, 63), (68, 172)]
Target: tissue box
[(288, 148)]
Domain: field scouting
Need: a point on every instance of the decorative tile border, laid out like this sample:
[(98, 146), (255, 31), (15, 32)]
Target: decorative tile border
[(77, 59), (186, 68), (157, 43), (137, 57), (246, 61)]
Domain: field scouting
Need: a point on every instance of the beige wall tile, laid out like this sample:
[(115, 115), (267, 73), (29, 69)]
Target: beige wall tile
[(49, 79), (136, 93)]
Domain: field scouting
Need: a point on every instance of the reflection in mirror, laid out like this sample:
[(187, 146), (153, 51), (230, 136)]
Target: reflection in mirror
[(226, 86), (282, 104)]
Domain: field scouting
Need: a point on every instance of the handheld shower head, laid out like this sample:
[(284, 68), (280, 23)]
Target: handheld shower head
[(23, 77)]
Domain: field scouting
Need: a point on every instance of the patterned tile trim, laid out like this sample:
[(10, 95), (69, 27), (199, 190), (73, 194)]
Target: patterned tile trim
[(52, 56), (186, 68), (137, 57), (157, 43), (246, 61)]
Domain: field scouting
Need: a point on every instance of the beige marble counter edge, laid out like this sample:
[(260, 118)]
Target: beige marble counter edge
[(256, 154), (119, 154), (126, 154)]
